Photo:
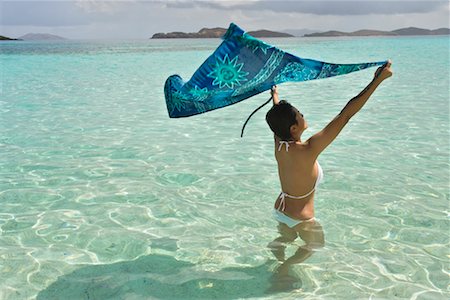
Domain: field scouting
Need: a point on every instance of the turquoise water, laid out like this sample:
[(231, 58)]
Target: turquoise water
[(102, 196)]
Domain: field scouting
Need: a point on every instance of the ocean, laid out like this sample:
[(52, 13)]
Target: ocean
[(102, 196)]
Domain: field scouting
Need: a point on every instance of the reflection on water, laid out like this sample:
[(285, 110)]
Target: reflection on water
[(312, 234)]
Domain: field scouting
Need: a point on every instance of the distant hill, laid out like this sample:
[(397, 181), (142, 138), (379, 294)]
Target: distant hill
[(203, 33), (441, 31), (398, 32), (215, 33), (267, 33), (5, 38), (40, 37), (299, 32), (420, 31)]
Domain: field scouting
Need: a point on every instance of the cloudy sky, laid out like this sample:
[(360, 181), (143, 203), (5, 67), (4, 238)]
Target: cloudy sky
[(133, 19)]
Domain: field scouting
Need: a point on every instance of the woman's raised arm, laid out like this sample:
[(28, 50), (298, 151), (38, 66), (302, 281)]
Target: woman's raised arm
[(322, 139)]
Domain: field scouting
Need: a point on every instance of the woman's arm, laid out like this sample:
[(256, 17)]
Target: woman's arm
[(274, 94), (322, 139), (355, 104)]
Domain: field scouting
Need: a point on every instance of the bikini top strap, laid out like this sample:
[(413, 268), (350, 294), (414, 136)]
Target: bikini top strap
[(281, 143)]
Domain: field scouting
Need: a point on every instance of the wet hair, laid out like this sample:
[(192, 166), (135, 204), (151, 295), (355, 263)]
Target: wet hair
[(280, 119)]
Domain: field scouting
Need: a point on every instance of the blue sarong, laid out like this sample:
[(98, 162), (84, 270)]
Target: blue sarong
[(241, 67)]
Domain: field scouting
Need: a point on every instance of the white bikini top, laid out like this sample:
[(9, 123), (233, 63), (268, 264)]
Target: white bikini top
[(283, 195)]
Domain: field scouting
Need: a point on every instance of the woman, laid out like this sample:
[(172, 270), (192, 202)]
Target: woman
[(299, 171)]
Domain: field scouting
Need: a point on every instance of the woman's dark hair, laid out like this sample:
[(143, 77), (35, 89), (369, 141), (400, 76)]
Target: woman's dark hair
[(280, 119)]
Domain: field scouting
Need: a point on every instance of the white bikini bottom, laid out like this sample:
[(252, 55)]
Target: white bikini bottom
[(282, 218)]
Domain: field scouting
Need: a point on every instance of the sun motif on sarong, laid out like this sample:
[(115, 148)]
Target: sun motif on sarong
[(198, 93), (228, 72), (179, 101)]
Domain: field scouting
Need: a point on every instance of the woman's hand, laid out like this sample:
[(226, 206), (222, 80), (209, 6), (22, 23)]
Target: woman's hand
[(274, 94), (384, 72), (274, 90)]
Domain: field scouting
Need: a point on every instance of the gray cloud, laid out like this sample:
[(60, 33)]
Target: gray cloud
[(42, 13), (320, 7)]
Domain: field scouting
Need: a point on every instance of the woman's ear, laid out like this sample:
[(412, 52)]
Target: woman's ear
[(293, 130)]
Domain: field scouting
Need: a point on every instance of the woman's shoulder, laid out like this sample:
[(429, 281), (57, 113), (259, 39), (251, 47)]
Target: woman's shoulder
[(302, 151)]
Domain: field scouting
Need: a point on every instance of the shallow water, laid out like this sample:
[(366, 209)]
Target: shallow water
[(103, 196)]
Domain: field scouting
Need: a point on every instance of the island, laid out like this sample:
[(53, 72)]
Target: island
[(5, 38), (216, 32), (41, 37), (398, 32)]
